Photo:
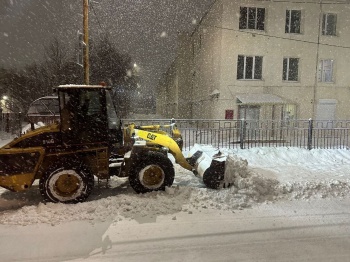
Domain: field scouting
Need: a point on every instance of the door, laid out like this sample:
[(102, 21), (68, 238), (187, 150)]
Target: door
[(250, 114), (325, 114)]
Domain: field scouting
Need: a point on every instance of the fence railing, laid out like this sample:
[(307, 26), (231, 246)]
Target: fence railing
[(10, 124), (264, 133), (243, 133)]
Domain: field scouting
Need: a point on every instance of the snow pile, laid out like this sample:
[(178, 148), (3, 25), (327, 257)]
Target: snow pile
[(256, 175), (116, 208), (320, 189), (302, 173), (245, 181), (255, 187), (244, 188), (27, 127)]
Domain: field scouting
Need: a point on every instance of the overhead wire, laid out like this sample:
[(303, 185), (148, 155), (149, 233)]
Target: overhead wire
[(202, 23), (98, 20), (273, 36)]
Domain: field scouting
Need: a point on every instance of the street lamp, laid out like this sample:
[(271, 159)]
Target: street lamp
[(136, 69), (7, 105), (3, 102)]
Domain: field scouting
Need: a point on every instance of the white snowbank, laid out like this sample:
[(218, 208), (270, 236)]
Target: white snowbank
[(256, 175), (27, 127)]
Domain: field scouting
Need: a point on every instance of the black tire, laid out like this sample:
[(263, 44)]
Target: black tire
[(151, 171), (66, 183)]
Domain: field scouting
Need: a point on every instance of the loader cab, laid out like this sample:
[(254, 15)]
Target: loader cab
[(87, 115)]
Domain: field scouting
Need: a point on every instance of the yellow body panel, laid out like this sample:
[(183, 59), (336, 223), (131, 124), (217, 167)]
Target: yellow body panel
[(36, 132), (166, 141), (21, 180), (17, 182)]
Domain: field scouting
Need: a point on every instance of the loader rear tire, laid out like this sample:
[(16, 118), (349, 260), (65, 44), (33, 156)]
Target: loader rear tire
[(151, 171), (66, 183)]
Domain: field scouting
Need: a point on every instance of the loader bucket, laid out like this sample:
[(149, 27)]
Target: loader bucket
[(208, 165)]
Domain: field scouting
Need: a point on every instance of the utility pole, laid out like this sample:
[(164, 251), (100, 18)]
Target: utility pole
[(86, 41)]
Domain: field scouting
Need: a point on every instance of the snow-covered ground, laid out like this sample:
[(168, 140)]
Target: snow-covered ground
[(270, 181)]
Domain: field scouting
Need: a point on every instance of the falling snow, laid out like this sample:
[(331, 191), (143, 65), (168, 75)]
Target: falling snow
[(142, 29)]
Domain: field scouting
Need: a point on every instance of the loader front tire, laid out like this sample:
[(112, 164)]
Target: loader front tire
[(152, 171), (66, 183)]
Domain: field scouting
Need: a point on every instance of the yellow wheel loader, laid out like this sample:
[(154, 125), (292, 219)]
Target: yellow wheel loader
[(90, 141)]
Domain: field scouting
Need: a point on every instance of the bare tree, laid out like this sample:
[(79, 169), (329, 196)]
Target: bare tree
[(111, 66), (58, 67)]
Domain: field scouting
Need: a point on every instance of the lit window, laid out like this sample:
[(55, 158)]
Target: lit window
[(325, 71)]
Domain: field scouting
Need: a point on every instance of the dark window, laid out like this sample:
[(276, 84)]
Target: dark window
[(290, 69), (240, 67), (329, 23), (258, 67), (293, 21), (249, 67), (249, 64), (252, 18)]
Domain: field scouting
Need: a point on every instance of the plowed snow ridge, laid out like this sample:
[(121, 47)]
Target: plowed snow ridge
[(257, 175)]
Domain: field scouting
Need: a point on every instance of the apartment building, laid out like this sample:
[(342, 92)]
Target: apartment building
[(262, 60)]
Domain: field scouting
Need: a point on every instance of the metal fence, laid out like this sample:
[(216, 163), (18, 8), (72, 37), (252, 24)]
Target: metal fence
[(10, 124), (267, 133), (241, 133)]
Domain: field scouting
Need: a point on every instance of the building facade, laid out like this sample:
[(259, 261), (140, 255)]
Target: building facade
[(262, 60)]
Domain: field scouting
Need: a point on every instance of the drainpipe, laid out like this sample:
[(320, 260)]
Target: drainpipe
[(317, 58)]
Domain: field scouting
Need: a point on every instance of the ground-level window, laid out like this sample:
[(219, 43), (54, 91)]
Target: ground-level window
[(252, 18), (251, 115), (289, 112), (228, 114), (249, 112), (293, 21), (290, 69), (325, 70), (249, 67), (329, 22)]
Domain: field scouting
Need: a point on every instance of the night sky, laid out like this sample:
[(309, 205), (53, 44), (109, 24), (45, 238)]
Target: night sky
[(144, 29)]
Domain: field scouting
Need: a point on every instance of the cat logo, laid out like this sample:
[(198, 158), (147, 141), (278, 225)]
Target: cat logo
[(151, 136)]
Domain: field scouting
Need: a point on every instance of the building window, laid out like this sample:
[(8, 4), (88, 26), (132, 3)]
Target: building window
[(249, 67), (290, 69), (252, 18), (293, 21), (329, 23), (325, 70)]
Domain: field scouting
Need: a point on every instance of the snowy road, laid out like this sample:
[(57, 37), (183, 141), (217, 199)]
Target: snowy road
[(267, 234), (317, 230), (286, 204)]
